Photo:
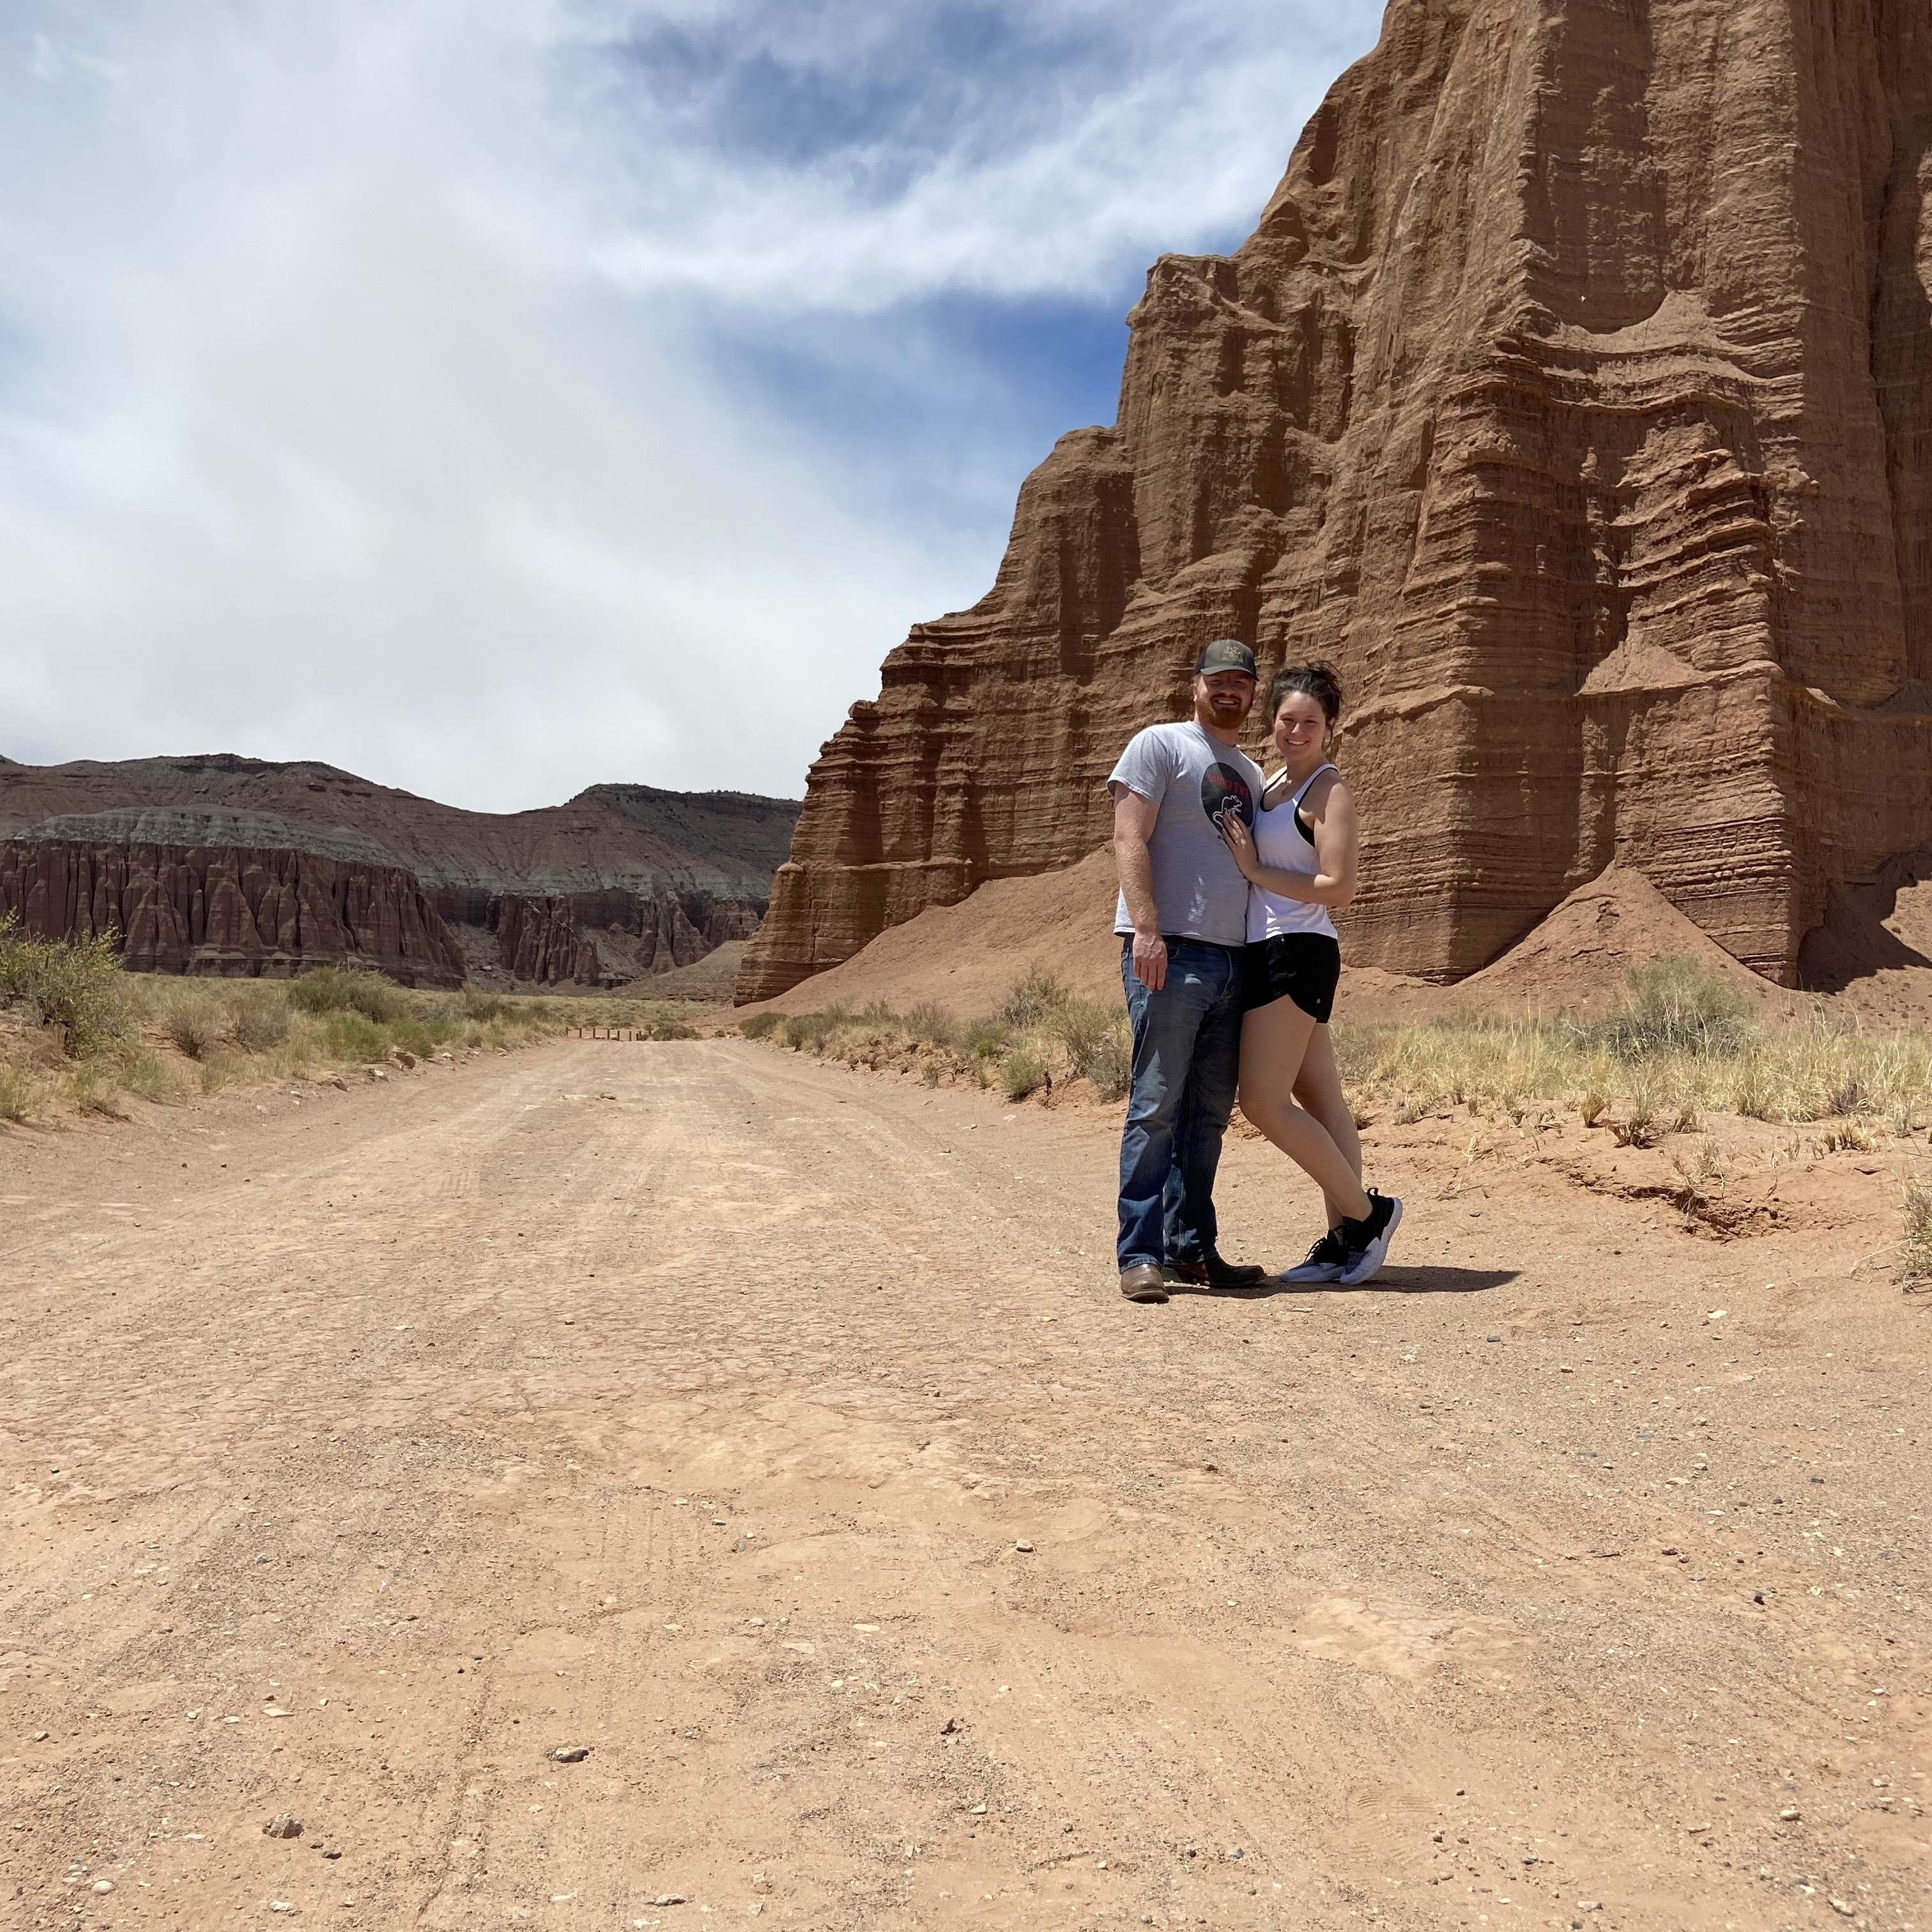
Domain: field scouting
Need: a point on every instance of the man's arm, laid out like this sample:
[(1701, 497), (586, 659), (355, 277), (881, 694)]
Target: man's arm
[(1134, 818)]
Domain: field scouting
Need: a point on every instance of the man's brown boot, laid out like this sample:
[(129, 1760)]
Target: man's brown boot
[(1147, 1282), (1215, 1272)]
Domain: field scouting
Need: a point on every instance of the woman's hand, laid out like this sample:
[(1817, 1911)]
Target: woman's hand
[(1236, 836)]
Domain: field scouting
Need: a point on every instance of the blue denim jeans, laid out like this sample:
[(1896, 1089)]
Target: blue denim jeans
[(1187, 1055)]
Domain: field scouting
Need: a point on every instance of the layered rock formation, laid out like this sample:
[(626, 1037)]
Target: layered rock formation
[(221, 864), (1574, 395)]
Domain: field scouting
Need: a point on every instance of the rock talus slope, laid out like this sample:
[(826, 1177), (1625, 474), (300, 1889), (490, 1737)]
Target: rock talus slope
[(1573, 394), (221, 864)]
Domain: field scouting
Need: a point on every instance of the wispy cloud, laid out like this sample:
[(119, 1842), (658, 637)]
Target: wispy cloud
[(498, 397)]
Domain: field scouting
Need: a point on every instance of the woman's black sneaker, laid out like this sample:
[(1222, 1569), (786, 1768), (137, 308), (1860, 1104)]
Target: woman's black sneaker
[(1368, 1239), (1326, 1260)]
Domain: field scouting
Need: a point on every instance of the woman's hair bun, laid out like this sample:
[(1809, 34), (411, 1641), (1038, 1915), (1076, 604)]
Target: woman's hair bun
[(1317, 678)]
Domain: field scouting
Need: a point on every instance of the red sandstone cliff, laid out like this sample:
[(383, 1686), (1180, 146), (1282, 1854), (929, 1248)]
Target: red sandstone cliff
[(221, 864), (1574, 395)]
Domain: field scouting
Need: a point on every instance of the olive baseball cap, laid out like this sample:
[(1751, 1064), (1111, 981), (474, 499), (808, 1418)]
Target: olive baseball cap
[(1224, 654)]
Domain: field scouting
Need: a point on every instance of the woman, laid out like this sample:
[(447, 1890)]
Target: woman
[(1299, 861)]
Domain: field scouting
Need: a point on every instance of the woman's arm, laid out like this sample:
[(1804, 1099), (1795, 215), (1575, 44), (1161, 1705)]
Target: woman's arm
[(1333, 816)]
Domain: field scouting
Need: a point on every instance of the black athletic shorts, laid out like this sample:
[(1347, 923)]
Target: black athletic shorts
[(1302, 966)]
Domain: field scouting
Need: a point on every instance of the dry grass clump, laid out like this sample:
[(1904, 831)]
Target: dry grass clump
[(1915, 1260), (1041, 1034)]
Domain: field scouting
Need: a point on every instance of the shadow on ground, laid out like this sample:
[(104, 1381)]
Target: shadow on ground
[(1391, 1281)]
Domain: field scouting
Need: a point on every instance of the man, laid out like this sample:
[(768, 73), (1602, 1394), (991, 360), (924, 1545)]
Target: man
[(1183, 919)]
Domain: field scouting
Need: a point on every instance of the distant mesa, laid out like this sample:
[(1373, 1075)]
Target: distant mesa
[(220, 864), (1574, 395)]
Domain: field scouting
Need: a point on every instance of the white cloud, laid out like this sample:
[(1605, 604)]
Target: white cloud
[(354, 398)]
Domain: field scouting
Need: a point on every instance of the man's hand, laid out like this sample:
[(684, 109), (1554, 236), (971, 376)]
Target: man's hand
[(1150, 961)]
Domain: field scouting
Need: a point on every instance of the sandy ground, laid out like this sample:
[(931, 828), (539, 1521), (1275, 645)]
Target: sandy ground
[(775, 1431)]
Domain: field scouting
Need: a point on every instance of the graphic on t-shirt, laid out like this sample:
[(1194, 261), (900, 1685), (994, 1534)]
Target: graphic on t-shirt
[(1223, 789)]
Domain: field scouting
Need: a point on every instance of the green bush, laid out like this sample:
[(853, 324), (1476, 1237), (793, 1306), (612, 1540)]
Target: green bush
[(1914, 1266), (75, 985), (93, 1093), (1024, 1073), (761, 1026), (332, 989), (1033, 999), (985, 1038), (1673, 1005), (425, 1036), (142, 1073), (194, 1027), (1098, 1045), (673, 1030), (478, 1005), (350, 1035), (19, 1092), (809, 1032), (260, 1021), (928, 1020)]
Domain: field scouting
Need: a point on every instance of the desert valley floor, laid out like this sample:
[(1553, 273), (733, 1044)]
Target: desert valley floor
[(775, 1431)]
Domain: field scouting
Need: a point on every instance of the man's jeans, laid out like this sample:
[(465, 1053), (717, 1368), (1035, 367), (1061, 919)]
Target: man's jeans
[(1187, 1053)]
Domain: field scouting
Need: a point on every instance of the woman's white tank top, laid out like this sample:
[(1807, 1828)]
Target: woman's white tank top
[(1280, 842)]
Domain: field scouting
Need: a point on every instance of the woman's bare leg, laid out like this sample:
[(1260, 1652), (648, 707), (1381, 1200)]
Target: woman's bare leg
[(1318, 1088), (1274, 1042)]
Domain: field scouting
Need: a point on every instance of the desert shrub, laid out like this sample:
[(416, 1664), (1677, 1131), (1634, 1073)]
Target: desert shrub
[(423, 1037), (1098, 1043), (761, 1026), (809, 1032), (350, 1035), (1848, 1093), (1359, 1050), (1110, 1066), (19, 1092), (259, 1021), (1915, 1265), (92, 1092), (1033, 999), (1673, 1005), (877, 1013), (481, 1006), (1024, 1073), (75, 985), (932, 1022), (195, 1027), (1754, 1089), (331, 989), (673, 1030), (1700, 1179), (142, 1072), (984, 1039), (1640, 1127)]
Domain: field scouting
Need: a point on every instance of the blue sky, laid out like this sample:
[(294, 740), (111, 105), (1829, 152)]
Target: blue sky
[(495, 397)]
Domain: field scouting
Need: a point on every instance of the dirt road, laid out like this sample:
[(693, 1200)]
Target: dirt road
[(775, 1430)]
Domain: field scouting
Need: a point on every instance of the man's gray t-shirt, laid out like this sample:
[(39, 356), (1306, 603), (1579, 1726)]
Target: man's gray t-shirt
[(1199, 890)]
